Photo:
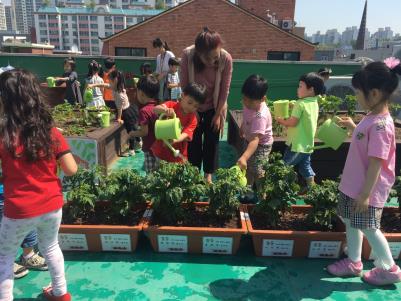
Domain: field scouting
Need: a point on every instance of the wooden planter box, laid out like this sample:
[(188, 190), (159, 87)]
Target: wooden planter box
[(194, 239), (394, 240), (101, 146), (284, 243), (327, 163), (54, 96)]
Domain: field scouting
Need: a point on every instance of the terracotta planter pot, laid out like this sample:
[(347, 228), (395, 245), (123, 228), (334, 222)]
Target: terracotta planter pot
[(394, 240), (99, 238), (195, 239), (284, 243), (55, 95)]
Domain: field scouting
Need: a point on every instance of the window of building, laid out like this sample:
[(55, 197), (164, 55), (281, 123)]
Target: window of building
[(84, 33), (52, 17), (74, 18), (94, 41), (43, 24), (83, 41), (118, 19), (53, 25), (53, 32), (93, 18), (54, 40), (130, 20), (74, 25), (284, 55), (126, 51), (66, 33), (83, 26), (107, 18), (42, 17), (64, 18), (95, 49), (83, 18), (94, 33), (108, 33), (108, 26), (43, 32), (140, 19), (75, 34), (94, 26), (118, 27), (43, 40)]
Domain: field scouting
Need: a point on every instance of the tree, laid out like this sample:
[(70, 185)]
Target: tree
[(46, 3), (90, 4), (160, 4)]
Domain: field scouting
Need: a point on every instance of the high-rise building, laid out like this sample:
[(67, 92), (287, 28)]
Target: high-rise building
[(65, 27), (349, 35), (23, 10), (10, 18), (3, 23), (332, 37)]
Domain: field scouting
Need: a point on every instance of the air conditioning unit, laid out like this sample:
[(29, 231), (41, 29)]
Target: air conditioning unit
[(287, 24)]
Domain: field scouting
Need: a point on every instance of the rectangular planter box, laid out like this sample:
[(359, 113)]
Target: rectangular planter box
[(195, 239), (327, 163), (394, 240), (101, 146), (99, 238), (284, 243)]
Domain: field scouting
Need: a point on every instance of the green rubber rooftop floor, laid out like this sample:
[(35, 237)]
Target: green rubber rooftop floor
[(145, 275)]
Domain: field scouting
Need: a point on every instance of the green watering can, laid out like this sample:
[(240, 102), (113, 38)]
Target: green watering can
[(51, 82), (331, 134), (104, 119), (281, 108), (167, 129), (241, 175), (88, 95)]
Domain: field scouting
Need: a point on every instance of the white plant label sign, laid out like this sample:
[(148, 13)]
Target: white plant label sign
[(116, 242), (72, 242), (395, 248), (217, 245), (324, 249), (173, 243), (277, 247)]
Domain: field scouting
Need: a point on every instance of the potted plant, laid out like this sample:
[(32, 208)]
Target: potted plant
[(178, 222), (103, 213), (280, 228)]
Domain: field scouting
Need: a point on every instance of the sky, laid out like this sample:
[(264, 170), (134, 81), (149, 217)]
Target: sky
[(329, 14)]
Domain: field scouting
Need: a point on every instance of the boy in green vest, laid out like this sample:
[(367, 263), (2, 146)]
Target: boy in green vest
[(302, 126)]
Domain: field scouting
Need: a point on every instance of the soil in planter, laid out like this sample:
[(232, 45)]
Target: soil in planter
[(103, 216), (391, 222), (289, 221), (198, 217)]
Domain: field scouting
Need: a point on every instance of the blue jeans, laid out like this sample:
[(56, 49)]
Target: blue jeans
[(31, 240), (301, 160)]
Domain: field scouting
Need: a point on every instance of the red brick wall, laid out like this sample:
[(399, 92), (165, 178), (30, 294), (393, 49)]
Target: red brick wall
[(245, 36), (283, 8)]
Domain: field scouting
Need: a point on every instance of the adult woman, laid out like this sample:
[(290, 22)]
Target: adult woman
[(162, 66), (209, 64)]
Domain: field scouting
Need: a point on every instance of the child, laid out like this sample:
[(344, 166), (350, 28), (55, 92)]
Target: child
[(94, 78), (173, 80), (256, 128), (302, 126), (110, 66), (30, 150), (126, 114), (145, 69), (148, 90), (369, 174), (193, 96), (70, 77)]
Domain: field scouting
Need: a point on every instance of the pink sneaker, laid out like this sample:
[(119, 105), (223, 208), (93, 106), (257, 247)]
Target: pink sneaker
[(345, 268), (379, 277)]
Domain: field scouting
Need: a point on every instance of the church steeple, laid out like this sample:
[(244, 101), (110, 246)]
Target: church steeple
[(360, 43)]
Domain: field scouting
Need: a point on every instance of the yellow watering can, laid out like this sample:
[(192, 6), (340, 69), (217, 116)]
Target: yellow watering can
[(281, 108), (331, 134), (167, 129), (241, 175), (51, 82)]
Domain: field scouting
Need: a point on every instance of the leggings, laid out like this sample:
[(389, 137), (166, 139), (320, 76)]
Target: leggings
[(13, 232)]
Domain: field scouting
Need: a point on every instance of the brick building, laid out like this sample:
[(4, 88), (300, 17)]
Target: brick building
[(282, 9), (245, 35)]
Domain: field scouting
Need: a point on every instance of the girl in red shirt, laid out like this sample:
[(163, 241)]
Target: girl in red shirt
[(30, 149)]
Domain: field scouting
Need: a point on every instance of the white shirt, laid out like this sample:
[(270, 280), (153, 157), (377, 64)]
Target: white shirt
[(162, 62)]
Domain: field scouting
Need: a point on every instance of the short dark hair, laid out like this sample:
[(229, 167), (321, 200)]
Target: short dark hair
[(109, 63), (157, 43), (254, 87), (315, 81), (71, 62), (173, 61), (377, 75), (196, 91), (145, 68), (324, 71), (149, 85)]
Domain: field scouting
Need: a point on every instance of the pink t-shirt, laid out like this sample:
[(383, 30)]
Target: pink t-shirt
[(258, 122), (373, 137)]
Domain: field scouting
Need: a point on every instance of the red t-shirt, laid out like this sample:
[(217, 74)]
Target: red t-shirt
[(32, 189), (188, 123), (148, 117)]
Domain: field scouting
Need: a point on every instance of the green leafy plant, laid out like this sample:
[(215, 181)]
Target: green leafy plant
[(173, 189), (351, 103), (324, 199), (224, 192), (329, 105), (277, 190), (396, 191), (125, 190), (394, 109)]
